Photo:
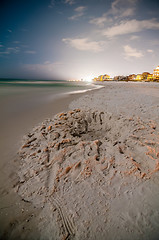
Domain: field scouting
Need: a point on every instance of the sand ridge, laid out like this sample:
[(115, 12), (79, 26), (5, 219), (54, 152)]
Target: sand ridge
[(83, 166)]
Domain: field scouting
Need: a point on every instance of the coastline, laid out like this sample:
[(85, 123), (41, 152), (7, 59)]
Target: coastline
[(10, 141), (110, 168)]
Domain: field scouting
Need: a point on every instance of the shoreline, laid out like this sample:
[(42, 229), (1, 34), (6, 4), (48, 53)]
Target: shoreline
[(55, 105), (85, 165), (11, 204)]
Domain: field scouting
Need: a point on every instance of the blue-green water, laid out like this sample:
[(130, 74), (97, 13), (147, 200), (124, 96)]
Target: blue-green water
[(19, 96), (13, 86)]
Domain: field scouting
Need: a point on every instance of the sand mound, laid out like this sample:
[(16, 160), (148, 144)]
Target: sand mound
[(81, 167)]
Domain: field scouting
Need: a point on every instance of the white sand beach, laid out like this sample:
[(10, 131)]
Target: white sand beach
[(14, 124), (92, 172)]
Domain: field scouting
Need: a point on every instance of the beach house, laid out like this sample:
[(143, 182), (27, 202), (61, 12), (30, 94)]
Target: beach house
[(139, 77), (156, 73)]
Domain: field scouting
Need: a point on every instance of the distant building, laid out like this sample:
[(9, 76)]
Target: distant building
[(156, 73), (139, 77), (118, 78), (145, 75), (102, 78), (132, 77), (106, 78), (150, 77)]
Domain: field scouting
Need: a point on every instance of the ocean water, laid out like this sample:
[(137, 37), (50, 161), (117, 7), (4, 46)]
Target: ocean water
[(16, 87), (25, 103), (18, 97)]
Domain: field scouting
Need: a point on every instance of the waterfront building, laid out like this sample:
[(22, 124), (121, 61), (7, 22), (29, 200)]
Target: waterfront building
[(139, 77), (106, 77), (102, 78), (150, 77), (145, 75), (118, 78), (132, 77), (156, 73)]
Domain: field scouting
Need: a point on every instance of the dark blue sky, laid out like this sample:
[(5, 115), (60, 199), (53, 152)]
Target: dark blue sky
[(69, 39)]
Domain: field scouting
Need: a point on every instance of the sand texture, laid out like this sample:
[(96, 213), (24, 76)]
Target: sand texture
[(93, 172)]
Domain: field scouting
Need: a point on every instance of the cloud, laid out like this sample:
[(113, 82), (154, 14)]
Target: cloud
[(10, 50), (80, 9), (47, 62), (131, 26), (123, 8), (119, 9), (128, 12), (4, 53), (30, 52), (9, 30), (100, 21), (13, 50), (83, 44), (134, 37), (53, 2), (132, 52), (150, 50), (79, 12), (70, 2), (155, 42)]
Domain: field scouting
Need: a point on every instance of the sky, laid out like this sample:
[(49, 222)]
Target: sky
[(78, 39)]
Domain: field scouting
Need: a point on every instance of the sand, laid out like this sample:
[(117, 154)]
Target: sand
[(93, 172), (14, 212)]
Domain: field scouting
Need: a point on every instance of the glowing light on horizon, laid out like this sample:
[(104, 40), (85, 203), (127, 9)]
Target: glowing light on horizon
[(88, 78)]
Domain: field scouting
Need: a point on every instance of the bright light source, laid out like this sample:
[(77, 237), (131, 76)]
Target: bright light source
[(88, 78)]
